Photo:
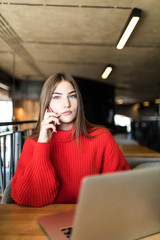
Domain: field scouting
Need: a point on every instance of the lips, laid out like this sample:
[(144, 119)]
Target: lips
[(67, 113)]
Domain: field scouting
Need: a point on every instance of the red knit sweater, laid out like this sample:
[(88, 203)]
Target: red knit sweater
[(52, 172)]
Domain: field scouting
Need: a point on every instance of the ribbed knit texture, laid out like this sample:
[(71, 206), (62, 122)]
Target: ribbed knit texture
[(52, 172)]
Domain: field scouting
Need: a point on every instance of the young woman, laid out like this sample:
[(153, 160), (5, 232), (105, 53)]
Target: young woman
[(64, 148)]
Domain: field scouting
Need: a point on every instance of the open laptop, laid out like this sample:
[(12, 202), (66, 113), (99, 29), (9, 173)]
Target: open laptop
[(118, 206)]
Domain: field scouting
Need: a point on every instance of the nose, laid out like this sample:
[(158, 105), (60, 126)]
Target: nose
[(67, 102)]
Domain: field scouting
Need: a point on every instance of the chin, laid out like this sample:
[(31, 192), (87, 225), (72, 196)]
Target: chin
[(67, 119), (67, 122)]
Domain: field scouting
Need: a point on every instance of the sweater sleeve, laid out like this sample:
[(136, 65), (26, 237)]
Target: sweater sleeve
[(113, 159), (34, 182)]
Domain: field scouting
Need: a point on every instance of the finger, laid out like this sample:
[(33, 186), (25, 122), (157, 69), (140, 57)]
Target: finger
[(50, 119), (45, 114), (49, 113), (54, 114), (51, 127)]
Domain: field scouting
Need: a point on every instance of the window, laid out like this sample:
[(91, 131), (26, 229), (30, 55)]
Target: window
[(123, 121)]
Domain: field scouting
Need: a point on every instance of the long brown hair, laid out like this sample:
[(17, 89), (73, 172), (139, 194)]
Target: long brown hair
[(81, 125)]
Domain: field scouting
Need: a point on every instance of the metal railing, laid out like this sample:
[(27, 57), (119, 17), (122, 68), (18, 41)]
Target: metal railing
[(12, 139)]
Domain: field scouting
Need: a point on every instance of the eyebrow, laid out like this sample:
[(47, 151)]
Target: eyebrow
[(62, 93)]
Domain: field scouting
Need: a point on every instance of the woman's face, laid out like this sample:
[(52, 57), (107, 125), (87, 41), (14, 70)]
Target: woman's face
[(64, 102)]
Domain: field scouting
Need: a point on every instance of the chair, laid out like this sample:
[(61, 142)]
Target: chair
[(6, 197), (134, 162), (148, 164)]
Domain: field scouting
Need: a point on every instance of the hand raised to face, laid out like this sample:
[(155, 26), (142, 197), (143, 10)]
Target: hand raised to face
[(48, 125)]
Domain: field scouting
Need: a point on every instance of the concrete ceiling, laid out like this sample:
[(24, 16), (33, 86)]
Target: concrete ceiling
[(39, 38)]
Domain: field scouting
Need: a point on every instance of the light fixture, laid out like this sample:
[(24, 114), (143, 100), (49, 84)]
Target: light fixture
[(129, 27), (136, 106), (157, 101), (4, 86), (146, 103), (107, 71), (120, 101)]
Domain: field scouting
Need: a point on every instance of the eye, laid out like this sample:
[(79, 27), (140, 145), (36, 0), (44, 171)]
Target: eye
[(56, 97), (73, 96)]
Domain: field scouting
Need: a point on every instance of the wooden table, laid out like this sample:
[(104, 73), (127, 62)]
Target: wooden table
[(136, 150), (20, 223)]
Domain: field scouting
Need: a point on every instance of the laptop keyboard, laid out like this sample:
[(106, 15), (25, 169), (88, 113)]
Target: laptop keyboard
[(67, 232)]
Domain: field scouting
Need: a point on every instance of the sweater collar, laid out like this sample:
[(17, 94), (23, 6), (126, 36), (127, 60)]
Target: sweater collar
[(62, 136)]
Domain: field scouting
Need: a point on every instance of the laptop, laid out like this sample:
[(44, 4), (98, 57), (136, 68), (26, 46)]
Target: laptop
[(117, 206)]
